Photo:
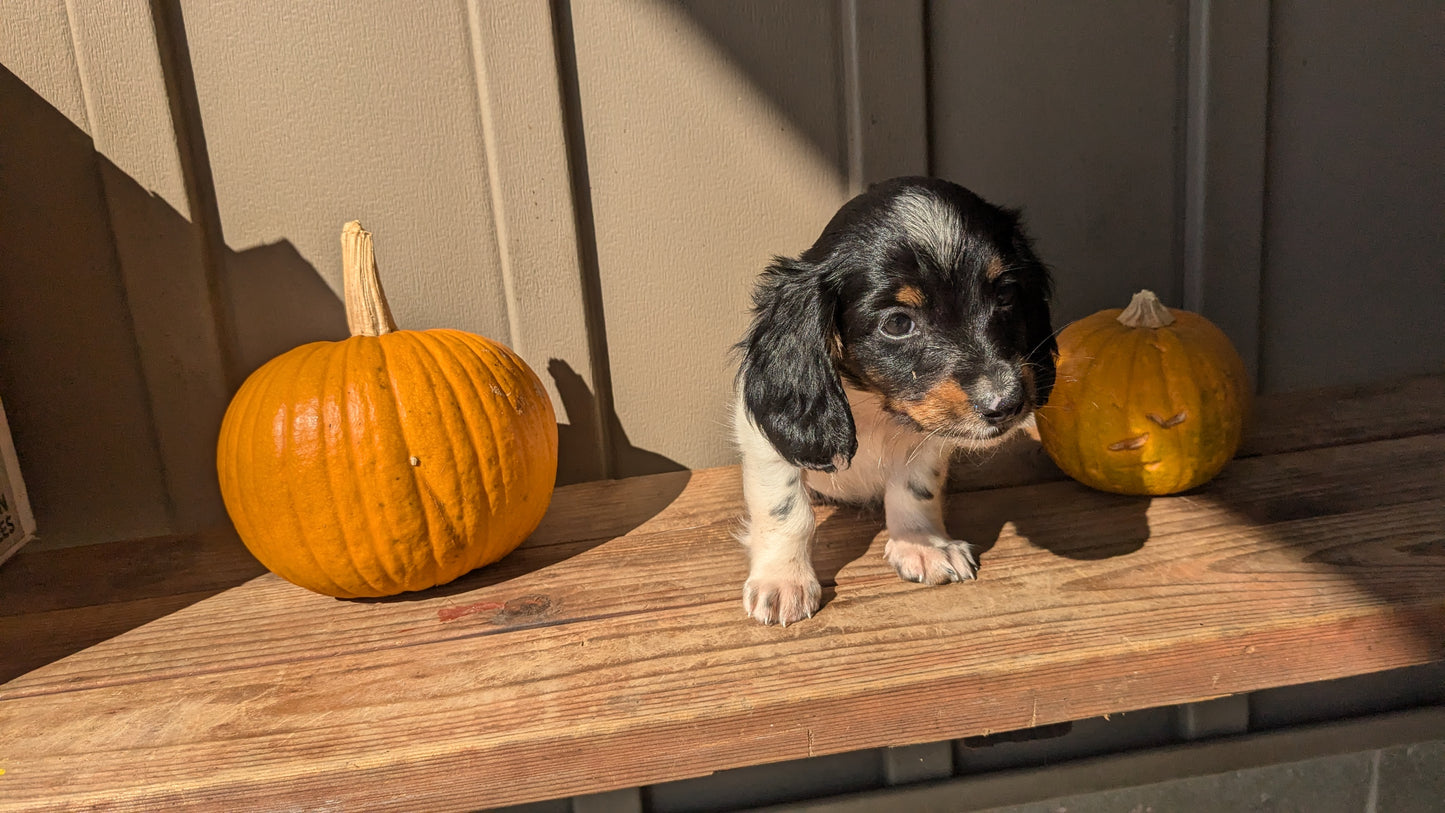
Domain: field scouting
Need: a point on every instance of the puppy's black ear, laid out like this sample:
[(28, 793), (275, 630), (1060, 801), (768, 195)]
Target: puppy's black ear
[(1034, 306), (790, 386)]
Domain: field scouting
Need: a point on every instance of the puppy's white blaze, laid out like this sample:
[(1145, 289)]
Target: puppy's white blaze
[(931, 224)]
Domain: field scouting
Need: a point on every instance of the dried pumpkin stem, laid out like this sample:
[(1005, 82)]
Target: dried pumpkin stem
[(1145, 310), (367, 313)]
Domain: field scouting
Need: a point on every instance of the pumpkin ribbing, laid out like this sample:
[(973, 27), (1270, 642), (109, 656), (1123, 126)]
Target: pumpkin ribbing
[(393, 460), (1149, 400)]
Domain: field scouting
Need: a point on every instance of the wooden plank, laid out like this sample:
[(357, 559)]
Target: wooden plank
[(55, 603), (639, 666), (1329, 417), (558, 583)]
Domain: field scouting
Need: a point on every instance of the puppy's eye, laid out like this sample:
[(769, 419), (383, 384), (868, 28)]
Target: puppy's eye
[(897, 326), (1008, 296)]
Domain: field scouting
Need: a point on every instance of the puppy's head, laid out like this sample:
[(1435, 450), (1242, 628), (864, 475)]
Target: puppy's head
[(919, 292)]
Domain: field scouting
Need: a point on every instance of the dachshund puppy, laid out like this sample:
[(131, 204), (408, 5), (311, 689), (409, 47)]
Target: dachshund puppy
[(917, 324)]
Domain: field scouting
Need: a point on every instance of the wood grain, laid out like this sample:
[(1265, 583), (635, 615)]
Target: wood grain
[(612, 651)]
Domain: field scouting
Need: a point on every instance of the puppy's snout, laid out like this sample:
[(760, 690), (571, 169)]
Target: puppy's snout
[(1000, 399), (1003, 408)]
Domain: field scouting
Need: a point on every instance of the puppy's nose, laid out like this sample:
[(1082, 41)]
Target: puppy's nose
[(1000, 402)]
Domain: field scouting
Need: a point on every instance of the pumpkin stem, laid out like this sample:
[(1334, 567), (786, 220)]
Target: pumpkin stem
[(1145, 310), (367, 313)]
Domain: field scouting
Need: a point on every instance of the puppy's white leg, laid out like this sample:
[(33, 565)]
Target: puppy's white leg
[(781, 585), (919, 547)]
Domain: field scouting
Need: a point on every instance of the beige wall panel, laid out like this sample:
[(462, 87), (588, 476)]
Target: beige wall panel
[(1224, 168), (130, 115), (1354, 281), (531, 197), (891, 118), (158, 246), (315, 115), (36, 46), (1070, 110), (714, 138), (73, 385), (142, 464)]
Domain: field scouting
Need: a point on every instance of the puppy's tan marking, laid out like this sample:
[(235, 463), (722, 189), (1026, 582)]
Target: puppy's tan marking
[(944, 405), (995, 269), (910, 296)]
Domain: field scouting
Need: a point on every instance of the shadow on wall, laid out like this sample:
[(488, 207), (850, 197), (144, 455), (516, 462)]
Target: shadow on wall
[(112, 363), (113, 366), (113, 369), (576, 443), (754, 35)]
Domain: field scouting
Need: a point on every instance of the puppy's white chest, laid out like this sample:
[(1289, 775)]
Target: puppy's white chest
[(887, 451)]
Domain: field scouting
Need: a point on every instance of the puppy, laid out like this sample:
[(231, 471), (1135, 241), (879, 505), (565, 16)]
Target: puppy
[(918, 323)]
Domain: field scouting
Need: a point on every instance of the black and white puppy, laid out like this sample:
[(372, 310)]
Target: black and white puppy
[(918, 323)]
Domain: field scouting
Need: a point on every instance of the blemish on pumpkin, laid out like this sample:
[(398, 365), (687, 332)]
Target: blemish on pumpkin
[(415, 461), (1129, 444), (1171, 421), (453, 613)]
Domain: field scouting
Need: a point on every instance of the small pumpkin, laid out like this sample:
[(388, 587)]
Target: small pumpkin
[(1148, 400), (390, 461)]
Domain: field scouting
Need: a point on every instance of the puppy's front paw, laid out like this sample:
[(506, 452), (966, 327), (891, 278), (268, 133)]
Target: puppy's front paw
[(931, 560), (782, 598)]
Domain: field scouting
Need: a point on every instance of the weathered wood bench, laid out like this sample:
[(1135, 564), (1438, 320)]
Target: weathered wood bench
[(611, 650)]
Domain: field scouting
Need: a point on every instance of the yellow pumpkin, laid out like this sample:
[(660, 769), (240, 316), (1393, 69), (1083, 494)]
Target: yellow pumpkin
[(1148, 400), (390, 461)]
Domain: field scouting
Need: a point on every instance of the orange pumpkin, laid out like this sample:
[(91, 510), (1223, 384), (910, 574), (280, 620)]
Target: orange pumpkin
[(392, 460), (1148, 400)]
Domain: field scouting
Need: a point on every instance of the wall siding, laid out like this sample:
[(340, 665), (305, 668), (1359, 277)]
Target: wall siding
[(598, 184), (697, 178), (1354, 272), (1032, 109)]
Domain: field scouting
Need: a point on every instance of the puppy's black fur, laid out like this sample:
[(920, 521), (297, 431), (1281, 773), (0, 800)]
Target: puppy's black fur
[(960, 273)]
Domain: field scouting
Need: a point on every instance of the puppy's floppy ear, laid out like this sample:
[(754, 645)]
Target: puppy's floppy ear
[(790, 386), (1034, 306)]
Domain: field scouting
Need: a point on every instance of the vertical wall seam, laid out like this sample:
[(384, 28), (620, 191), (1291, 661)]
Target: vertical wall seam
[(1262, 300), (205, 212), (1196, 155), (490, 149), (852, 106), (589, 265), (77, 55), (153, 436), (930, 146)]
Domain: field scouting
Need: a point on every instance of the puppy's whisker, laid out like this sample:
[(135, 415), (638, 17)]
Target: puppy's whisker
[(1045, 341), (919, 447)]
